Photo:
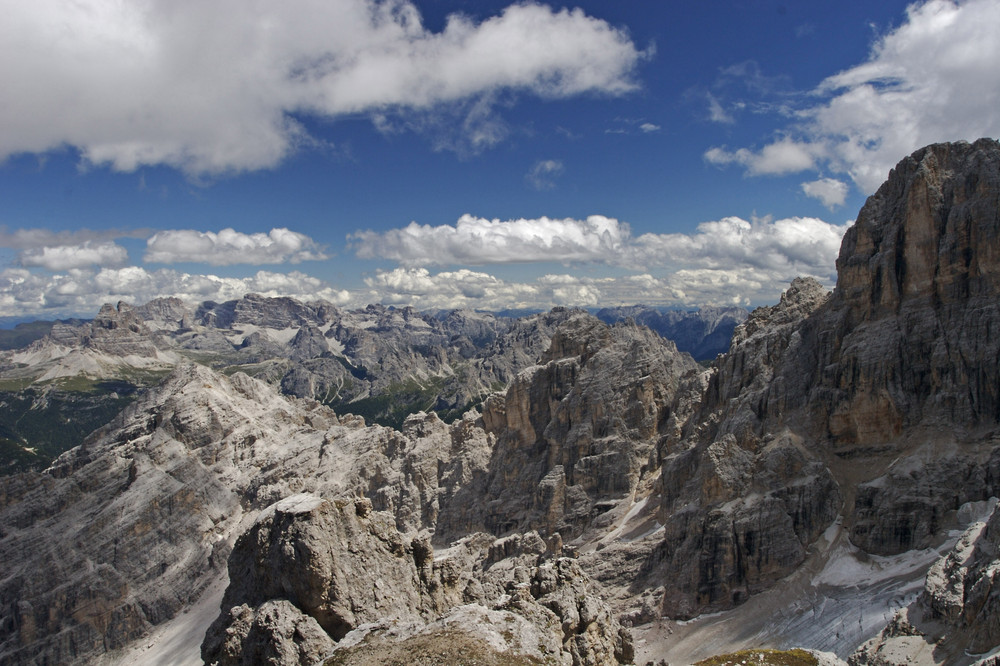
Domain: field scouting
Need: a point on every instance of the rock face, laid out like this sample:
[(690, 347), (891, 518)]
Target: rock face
[(139, 521), (872, 401), (958, 611), (334, 564), (309, 563), (741, 503), (574, 436), (918, 275)]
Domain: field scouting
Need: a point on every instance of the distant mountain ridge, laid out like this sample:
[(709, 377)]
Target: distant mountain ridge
[(380, 362), (704, 333)]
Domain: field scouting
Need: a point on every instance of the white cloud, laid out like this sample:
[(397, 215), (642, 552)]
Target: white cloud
[(465, 289), (229, 247), (932, 79), (469, 289), (66, 257), (716, 113), (781, 157), (542, 175), (477, 241), (787, 247), (35, 239), (725, 262), (794, 246), (830, 191), (214, 87), (82, 292), (646, 128), (450, 289)]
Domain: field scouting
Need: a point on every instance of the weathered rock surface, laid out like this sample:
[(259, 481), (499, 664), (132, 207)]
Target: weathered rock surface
[(956, 616), (740, 505), (139, 520), (346, 568), (337, 563), (574, 436), (875, 398)]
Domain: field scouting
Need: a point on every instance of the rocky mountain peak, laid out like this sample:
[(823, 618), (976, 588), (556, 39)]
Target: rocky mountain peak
[(802, 297), (930, 233), (908, 335)]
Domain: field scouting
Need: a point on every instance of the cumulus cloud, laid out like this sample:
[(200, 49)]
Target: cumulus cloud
[(464, 288), (789, 246), (470, 289), (229, 247), (213, 87), (724, 262), (66, 257), (799, 245), (933, 78), (830, 191), (477, 241), (542, 175), (781, 157), (82, 292), (35, 239)]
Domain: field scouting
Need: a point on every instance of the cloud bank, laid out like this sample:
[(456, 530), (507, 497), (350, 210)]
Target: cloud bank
[(84, 291), (229, 247), (214, 87), (67, 257), (932, 79), (792, 246), (723, 262), (477, 241)]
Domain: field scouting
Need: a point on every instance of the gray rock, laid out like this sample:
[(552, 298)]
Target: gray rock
[(958, 611)]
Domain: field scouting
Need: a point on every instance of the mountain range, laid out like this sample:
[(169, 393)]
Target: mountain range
[(273, 481)]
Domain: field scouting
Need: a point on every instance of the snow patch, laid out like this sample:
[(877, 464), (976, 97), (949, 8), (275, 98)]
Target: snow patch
[(300, 503)]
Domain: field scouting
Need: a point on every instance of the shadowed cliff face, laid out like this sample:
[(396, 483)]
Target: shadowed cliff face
[(912, 326), (884, 394)]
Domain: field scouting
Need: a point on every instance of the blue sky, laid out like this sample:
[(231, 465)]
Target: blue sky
[(439, 153)]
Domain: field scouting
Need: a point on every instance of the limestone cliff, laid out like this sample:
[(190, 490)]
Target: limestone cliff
[(574, 435), (875, 401)]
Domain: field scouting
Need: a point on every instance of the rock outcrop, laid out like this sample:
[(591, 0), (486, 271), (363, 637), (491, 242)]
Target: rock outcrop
[(574, 436), (957, 614), (309, 563), (875, 399), (741, 502), (333, 564)]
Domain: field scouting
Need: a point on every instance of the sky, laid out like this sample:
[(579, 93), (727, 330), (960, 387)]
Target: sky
[(446, 153)]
